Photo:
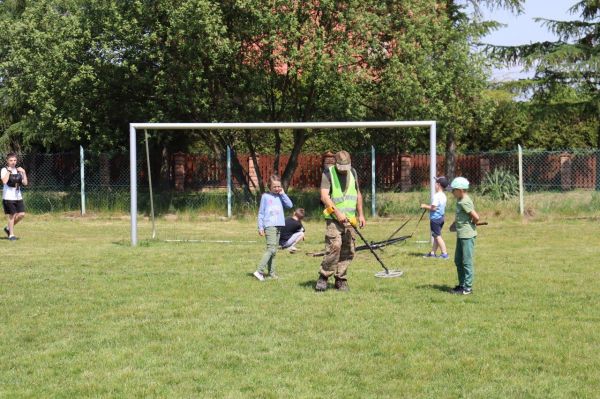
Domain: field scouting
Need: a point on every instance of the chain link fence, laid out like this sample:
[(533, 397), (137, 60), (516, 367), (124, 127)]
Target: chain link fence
[(54, 182), (561, 170), (198, 182)]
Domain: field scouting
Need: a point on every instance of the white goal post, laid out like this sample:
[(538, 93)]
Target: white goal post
[(134, 127)]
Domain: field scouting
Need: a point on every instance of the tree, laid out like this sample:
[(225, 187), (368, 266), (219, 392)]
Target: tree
[(567, 71), (297, 62), (435, 74), (75, 71), (473, 29)]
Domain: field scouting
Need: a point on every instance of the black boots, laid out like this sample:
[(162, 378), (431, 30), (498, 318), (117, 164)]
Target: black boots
[(341, 285), (321, 283)]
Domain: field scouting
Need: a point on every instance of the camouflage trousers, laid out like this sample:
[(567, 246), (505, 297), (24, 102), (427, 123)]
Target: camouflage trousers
[(339, 250)]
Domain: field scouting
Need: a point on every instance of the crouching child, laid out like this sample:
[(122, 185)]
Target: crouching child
[(293, 231)]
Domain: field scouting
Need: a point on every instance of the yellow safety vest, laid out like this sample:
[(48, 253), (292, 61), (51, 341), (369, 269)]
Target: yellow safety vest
[(344, 201)]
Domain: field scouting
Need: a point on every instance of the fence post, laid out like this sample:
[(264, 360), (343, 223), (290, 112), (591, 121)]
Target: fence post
[(406, 172), (179, 162), (82, 176), (373, 184), (566, 182), (521, 190), (252, 176), (484, 167), (597, 169), (229, 188)]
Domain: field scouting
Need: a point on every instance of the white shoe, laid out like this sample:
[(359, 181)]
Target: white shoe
[(292, 249), (259, 276)]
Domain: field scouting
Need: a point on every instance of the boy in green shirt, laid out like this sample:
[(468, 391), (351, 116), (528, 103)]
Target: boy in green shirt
[(465, 226)]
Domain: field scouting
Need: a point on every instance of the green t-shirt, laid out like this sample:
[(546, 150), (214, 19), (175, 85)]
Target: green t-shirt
[(465, 228)]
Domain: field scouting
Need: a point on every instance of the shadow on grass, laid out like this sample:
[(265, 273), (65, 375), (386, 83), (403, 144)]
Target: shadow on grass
[(442, 288), (310, 284), (422, 255), (141, 243), (416, 254), (267, 277)]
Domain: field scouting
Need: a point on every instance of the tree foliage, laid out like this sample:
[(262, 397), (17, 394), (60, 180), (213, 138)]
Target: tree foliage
[(565, 89), (77, 72)]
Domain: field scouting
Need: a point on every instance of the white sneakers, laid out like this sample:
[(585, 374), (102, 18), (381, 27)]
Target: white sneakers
[(292, 249), (259, 276)]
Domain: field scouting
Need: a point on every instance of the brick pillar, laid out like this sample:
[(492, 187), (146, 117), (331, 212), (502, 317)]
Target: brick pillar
[(104, 170), (405, 172), (189, 170), (179, 171), (565, 172), (328, 159), (252, 174), (484, 167)]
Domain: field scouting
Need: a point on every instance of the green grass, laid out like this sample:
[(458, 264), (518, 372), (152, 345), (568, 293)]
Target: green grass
[(82, 314)]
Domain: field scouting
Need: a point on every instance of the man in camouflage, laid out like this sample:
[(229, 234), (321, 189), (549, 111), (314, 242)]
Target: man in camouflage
[(340, 194)]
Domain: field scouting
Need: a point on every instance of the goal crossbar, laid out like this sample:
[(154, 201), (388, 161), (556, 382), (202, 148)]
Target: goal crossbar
[(134, 127)]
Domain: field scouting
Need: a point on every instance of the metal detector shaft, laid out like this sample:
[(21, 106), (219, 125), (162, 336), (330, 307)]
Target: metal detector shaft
[(374, 245), (398, 229), (419, 222), (370, 248), (383, 244)]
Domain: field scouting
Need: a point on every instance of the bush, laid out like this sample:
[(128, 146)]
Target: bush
[(500, 184)]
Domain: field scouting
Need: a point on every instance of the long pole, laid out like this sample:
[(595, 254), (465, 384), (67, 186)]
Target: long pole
[(229, 185), (373, 184), (521, 189), (82, 176), (133, 183), (150, 185), (432, 159), (370, 248), (283, 125)]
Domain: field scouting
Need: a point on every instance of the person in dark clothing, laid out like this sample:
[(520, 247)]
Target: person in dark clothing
[(293, 231)]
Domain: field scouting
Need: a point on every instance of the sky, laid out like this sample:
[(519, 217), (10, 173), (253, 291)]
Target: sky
[(522, 29)]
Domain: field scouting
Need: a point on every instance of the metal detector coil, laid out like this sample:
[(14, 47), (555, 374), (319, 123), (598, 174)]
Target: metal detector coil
[(389, 273), (386, 273)]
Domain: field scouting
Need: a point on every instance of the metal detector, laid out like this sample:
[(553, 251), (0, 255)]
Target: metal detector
[(386, 273), (405, 223), (375, 245)]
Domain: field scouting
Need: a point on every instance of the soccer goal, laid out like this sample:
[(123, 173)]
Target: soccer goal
[(135, 127)]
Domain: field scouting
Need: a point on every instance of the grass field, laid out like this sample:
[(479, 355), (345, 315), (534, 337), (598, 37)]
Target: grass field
[(82, 314)]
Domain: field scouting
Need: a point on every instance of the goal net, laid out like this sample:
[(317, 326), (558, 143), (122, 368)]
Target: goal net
[(140, 164)]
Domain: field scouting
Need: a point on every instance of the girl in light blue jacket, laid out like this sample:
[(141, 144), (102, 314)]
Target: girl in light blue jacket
[(270, 221)]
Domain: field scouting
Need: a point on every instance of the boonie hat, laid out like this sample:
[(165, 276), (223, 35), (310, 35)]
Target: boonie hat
[(342, 161)]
